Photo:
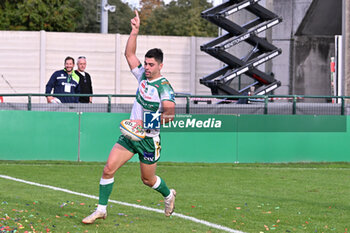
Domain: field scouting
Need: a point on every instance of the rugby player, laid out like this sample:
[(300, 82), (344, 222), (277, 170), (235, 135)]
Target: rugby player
[(154, 94)]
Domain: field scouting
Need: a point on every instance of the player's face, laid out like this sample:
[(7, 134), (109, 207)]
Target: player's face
[(81, 64), (69, 65), (152, 68)]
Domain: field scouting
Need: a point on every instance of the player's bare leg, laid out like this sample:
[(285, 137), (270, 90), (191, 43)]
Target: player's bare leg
[(117, 158), (149, 178)]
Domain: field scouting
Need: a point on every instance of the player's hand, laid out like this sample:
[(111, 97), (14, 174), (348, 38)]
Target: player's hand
[(139, 124), (49, 99), (135, 22)]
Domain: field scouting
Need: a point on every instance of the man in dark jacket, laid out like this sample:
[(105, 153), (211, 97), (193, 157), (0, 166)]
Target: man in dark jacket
[(64, 81), (85, 80)]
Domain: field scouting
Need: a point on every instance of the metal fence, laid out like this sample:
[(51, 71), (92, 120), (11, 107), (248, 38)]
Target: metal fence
[(188, 104)]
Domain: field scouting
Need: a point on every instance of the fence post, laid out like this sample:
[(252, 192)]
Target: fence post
[(187, 105), (29, 103), (266, 101), (109, 107), (294, 105), (342, 106)]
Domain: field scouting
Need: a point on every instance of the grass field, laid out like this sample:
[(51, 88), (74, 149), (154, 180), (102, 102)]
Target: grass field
[(305, 197)]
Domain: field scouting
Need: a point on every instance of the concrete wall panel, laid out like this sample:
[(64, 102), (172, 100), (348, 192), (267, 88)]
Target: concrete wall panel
[(300, 8), (281, 67), (284, 9), (19, 61), (312, 69)]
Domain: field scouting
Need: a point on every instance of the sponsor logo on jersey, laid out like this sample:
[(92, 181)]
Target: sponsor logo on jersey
[(151, 106), (142, 92), (68, 84), (149, 156), (151, 92), (148, 93), (143, 84)]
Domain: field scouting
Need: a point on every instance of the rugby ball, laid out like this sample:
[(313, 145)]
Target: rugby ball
[(132, 130), (55, 101)]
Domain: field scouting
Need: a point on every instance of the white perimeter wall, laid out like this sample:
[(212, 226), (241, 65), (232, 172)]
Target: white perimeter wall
[(27, 60)]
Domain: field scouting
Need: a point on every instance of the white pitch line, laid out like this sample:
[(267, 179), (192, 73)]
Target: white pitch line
[(213, 225)]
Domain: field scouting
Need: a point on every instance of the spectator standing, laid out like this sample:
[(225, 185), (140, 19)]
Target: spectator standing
[(64, 81), (85, 80)]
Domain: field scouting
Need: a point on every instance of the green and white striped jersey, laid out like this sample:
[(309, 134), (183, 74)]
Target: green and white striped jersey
[(149, 96)]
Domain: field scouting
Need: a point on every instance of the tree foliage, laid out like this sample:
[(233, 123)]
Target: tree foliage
[(62, 15), (34, 15), (147, 8), (88, 21), (118, 21), (179, 18)]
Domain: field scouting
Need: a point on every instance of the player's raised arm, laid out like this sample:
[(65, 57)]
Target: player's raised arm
[(130, 50)]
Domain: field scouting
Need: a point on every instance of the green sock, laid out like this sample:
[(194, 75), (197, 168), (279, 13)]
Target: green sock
[(160, 186), (105, 192)]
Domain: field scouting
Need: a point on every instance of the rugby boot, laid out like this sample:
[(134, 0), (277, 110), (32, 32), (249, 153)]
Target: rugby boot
[(95, 215), (170, 203)]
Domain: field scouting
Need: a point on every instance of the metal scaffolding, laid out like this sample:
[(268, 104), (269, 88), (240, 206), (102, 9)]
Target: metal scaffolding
[(261, 52)]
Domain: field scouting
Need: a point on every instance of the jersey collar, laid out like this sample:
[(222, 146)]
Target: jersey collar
[(155, 80)]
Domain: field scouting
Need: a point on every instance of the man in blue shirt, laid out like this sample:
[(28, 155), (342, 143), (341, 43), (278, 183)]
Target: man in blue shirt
[(64, 81)]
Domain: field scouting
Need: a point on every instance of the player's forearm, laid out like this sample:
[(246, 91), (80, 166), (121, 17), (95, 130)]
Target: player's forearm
[(130, 48), (167, 116)]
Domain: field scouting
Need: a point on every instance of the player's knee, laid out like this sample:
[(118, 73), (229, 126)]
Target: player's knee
[(107, 171), (146, 181)]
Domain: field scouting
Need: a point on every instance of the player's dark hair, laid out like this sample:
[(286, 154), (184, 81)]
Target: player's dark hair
[(68, 58), (155, 53)]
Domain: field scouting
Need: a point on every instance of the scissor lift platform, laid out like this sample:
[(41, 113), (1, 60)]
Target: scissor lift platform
[(261, 52)]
